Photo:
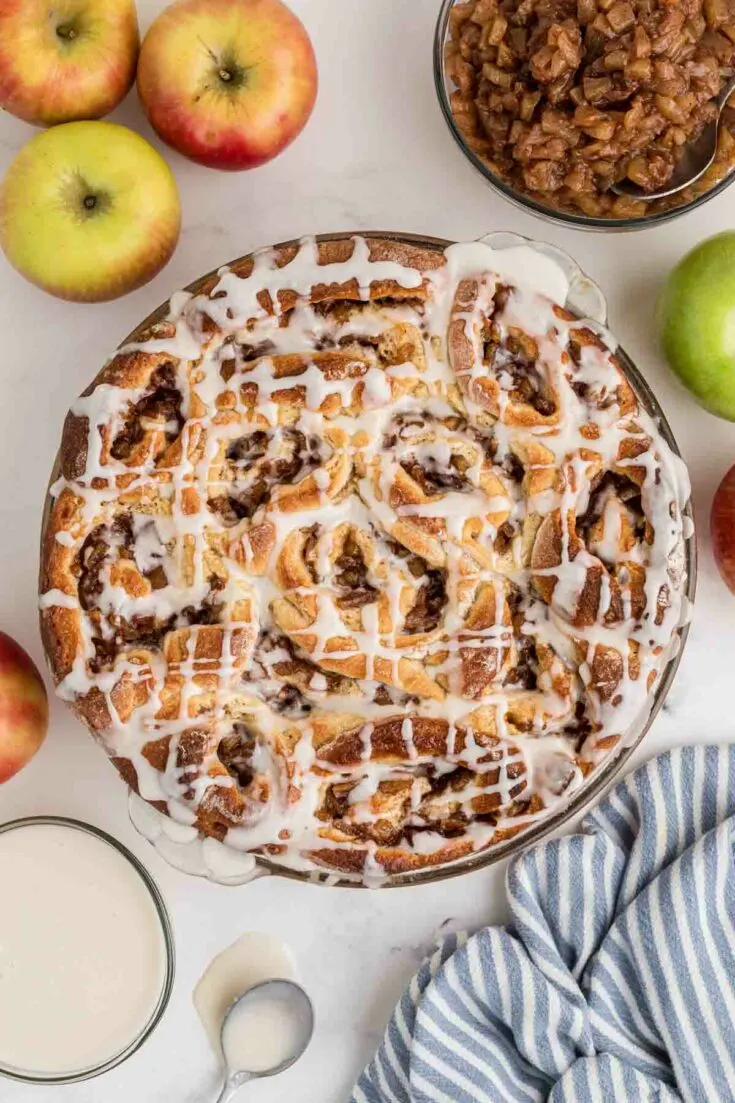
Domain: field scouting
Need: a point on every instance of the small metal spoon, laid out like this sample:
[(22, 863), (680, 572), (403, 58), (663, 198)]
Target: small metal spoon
[(693, 163), (301, 1011)]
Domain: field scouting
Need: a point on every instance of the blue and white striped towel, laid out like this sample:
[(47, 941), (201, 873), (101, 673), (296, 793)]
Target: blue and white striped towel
[(615, 980)]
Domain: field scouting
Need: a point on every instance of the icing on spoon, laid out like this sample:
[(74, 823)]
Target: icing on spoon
[(264, 1032)]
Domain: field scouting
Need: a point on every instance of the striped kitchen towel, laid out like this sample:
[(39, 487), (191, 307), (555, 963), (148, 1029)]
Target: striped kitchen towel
[(615, 980)]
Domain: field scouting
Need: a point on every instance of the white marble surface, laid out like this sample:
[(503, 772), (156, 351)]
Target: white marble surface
[(376, 154)]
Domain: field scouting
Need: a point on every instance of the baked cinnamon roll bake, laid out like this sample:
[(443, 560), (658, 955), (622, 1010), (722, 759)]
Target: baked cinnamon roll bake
[(365, 557)]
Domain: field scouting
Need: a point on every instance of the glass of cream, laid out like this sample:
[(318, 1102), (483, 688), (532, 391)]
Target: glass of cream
[(86, 951)]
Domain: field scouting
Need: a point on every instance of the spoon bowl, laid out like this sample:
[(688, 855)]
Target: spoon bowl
[(695, 159), (264, 1032)]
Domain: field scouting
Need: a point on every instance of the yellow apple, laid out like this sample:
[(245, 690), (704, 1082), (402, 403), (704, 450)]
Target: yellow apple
[(23, 708), (89, 211), (228, 83), (62, 60)]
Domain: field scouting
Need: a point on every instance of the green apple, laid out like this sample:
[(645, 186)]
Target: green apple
[(89, 211), (696, 317)]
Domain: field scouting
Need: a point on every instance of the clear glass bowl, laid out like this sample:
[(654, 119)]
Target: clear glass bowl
[(181, 846), (444, 88), (169, 966)]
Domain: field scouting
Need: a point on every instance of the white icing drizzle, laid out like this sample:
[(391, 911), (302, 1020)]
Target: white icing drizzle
[(356, 545)]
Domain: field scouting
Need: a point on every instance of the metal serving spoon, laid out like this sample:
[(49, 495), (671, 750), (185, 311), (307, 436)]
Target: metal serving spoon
[(694, 162), (254, 1019)]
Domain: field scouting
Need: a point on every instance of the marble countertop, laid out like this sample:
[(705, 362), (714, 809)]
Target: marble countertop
[(376, 154)]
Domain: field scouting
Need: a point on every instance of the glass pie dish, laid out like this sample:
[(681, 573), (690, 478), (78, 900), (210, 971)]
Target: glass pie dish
[(178, 839)]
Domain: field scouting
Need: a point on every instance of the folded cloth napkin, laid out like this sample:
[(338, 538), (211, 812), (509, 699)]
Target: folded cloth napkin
[(615, 980)]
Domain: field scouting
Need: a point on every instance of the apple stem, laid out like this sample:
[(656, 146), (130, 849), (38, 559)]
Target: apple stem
[(225, 74), (65, 31), (90, 202)]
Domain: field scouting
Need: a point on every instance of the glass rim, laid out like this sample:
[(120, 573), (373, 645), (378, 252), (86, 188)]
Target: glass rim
[(24, 1076), (518, 198)]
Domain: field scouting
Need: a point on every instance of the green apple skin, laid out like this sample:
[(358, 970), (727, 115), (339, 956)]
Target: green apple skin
[(89, 211), (696, 319)]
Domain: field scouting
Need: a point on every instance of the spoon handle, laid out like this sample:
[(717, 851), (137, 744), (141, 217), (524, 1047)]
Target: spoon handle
[(232, 1084)]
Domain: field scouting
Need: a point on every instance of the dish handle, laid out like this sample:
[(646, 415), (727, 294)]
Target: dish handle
[(584, 297), (181, 846)]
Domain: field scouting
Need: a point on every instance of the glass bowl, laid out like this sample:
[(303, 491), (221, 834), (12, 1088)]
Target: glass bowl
[(182, 847), (444, 88), (134, 1045)]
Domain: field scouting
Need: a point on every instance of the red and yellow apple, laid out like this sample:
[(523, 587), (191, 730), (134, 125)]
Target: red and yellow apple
[(722, 529), (228, 83), (89, 211), (23, 708), (62, 60)]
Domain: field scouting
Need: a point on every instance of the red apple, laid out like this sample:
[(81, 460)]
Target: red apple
[(23, 708), (65, 61), (228, 83), (722, 527)]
